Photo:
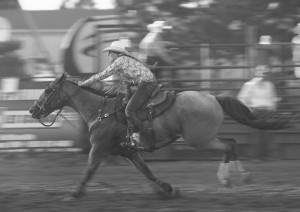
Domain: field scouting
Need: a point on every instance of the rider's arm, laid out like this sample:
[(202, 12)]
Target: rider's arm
[(110, 70)]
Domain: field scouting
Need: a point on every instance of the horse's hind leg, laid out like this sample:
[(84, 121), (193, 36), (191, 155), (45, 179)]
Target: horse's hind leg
[(228, 146), (140, 164), (236, 164)]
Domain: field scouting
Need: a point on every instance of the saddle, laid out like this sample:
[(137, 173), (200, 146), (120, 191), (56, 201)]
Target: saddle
[(159, 102)]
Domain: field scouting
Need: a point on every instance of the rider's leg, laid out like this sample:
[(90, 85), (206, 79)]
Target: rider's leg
[(141, 95), (128, 93)]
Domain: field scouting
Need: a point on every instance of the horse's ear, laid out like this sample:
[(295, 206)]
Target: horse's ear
[(62, 77)]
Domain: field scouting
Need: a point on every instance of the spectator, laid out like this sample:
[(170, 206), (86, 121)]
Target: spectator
[(296, 49), (153, 49), (259, 94)]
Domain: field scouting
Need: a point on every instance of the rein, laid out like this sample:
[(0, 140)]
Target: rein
[(99, 118), (41, 107), (106, 115), (49, 125)]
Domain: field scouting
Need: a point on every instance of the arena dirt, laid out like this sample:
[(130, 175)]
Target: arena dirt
[(38, 183)]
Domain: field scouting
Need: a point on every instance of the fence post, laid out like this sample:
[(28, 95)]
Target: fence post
[(2, 109), (205, 61), (250, 49), (296, 50)]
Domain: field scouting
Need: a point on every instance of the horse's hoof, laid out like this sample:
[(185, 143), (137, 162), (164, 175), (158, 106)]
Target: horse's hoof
[(226, 183), (68, 199), (175, 193), (167, 191), (246, 178)]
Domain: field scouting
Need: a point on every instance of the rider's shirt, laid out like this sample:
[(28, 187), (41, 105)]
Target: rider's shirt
[(131, 70)]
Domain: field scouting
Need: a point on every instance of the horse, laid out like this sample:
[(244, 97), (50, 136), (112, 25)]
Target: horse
[(194, 116)]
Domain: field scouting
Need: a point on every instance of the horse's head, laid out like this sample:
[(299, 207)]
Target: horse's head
[(49, 100)]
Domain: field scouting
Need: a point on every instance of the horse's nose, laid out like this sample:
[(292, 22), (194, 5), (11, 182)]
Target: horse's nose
[(32, 111), (33, 114)]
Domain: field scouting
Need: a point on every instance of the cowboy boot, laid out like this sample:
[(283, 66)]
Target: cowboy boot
[(134, 123), (132, 133), (129, 141)]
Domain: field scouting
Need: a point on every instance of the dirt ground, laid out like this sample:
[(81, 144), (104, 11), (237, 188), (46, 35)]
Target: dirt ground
[(39, 183)]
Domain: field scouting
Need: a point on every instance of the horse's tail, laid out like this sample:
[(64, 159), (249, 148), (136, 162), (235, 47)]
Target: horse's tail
[(242, 114)]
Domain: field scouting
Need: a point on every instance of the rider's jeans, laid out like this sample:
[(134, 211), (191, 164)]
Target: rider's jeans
[(138, 99)]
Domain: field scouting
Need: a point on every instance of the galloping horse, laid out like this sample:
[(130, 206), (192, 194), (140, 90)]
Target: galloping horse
[(194, 116)]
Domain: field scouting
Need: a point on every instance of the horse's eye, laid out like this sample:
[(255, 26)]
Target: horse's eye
[(47, 91)]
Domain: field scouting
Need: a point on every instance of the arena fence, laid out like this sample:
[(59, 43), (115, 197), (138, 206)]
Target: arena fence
[(20, 133), (283, 144)]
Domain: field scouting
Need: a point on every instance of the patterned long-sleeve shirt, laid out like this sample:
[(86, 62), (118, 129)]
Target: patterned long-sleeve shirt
[(131, 70)]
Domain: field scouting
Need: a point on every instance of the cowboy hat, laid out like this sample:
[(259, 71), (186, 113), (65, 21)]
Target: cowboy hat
[(117, 46), (157, 26), (265, 40)]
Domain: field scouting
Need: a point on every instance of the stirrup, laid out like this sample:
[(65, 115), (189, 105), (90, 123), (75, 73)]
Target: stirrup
[(133, 145), (128, 143), (135, 137)]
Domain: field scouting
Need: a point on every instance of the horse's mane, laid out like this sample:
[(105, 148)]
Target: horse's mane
[(103, 88)]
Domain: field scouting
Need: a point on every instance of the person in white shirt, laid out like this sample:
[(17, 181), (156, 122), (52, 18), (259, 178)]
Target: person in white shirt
[(259, 94), (153, 45), (153, 49), (296, 49)]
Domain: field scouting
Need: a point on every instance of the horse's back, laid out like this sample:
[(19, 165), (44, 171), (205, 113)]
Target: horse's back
[(198, 116), (200, 104), (199, 99)]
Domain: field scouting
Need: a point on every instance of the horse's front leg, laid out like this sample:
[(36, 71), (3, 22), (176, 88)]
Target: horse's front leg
[(96, 156), (140, 164)]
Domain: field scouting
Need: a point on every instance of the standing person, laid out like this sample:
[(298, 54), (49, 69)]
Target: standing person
[(153, 49), (296, 49), (134, 73), (259, 94)]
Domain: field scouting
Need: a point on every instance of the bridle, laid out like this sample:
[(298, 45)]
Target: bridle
[(53, 89), (41, 108)]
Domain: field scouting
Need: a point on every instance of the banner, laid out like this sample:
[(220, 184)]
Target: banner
[(21, 133)]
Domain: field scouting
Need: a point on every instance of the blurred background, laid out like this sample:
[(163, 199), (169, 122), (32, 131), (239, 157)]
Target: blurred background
[(216, 45)]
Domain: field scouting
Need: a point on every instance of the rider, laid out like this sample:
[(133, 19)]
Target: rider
[(134, 73)]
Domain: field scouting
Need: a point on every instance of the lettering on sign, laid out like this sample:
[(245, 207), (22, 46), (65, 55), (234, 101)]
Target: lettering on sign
[(28, 142), (35, 144), (20, 137), (22, 119), (68, 149)]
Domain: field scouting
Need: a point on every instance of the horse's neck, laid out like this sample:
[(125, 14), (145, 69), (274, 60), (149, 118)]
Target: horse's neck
[(86, 103)]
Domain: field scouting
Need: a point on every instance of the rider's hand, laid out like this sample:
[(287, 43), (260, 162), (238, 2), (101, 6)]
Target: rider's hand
[(80, 83)]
